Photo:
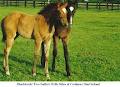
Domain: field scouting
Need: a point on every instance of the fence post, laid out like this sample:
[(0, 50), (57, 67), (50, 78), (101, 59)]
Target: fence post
[(107, 5), (118, 5), (112, 6), (10, 3), (77, 4), (25, 3), (3, 2), (87, 5), (34, 3), (86, 1), (6, 2), (99, 5), (44, 3), (17, 3)]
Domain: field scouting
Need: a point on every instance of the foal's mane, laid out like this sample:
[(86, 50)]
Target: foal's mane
[(49, 8), (50, 12)]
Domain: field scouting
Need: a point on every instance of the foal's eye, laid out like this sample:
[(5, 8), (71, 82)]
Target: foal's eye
[(64, 10), (61, 17)]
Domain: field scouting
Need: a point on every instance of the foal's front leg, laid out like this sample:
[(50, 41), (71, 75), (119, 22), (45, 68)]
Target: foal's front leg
[(47, 48), (66, 55), (55, 40), (36, 55)]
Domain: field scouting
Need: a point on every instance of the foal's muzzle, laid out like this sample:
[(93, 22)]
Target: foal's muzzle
[(65, 23)]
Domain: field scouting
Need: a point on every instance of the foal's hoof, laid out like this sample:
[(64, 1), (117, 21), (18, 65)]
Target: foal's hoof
[(47, 77), (34, 74), (68, 74), (69, 78), (8, 73), (42, 66)]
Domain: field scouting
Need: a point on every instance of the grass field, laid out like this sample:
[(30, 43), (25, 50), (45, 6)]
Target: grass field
[(94, 48)]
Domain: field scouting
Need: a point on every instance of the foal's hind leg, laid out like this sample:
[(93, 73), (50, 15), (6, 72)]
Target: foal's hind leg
[(8, 43), (43, 55), (36, 55)]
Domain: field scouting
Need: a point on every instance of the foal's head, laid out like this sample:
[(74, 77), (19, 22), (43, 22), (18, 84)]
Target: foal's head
[(55, 13), (63, 13), (71, 8)]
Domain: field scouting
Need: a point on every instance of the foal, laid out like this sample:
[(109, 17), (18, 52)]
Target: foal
[(62, 32), (39, 27)]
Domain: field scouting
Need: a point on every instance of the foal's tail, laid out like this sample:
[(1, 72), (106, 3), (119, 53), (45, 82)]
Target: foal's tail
[(3, 30)]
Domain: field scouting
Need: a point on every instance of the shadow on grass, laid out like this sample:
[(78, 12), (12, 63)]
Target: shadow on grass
[(13, 58), (20, 61), (28, 63)]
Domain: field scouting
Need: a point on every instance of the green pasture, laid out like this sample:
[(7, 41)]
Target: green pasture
[(94, 48)]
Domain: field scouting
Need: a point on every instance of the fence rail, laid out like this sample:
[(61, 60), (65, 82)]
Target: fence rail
[(25, 3), (86, 5), (100, 5)]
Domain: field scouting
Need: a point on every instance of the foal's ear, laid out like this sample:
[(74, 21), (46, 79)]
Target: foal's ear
[(59, 4), (64, 5)]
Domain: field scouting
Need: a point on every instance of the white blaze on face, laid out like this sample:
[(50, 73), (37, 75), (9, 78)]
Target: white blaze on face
[(70, 19), (71, 9), (64, 10)]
